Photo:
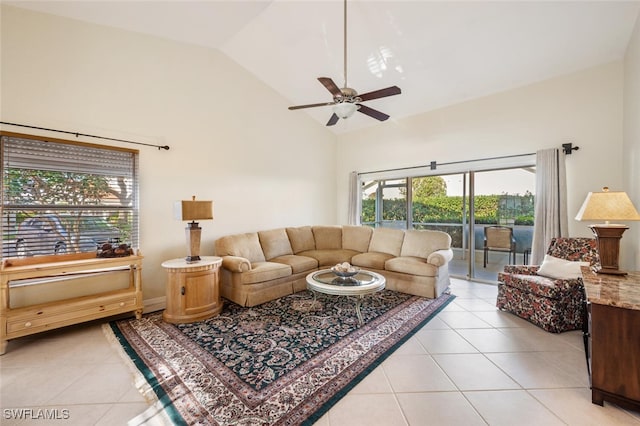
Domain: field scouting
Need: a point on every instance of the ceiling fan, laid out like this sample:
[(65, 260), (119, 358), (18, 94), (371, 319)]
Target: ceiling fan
[(346, 100)]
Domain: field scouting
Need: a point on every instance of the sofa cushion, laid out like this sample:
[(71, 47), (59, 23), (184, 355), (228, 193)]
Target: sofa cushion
[(275, 243), (327, 237), (242, 245), (372, 259), (386, 240), (356, 238), (297, 263), (421, 243), (411, 265), (265, 271), (329, 257), (301, 239)]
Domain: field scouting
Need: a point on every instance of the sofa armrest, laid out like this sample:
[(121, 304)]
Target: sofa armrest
[(440, 257), (236, 263), (522, 269)]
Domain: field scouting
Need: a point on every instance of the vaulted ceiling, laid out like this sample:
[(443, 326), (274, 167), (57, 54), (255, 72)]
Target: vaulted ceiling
[(438, 52)]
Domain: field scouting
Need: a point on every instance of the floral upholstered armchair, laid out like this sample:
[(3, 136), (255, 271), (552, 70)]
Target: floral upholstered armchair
[(550, 295)]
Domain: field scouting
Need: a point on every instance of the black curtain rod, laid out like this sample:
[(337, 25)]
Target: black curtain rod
[(433, 164), (566, 147), (76, 134)]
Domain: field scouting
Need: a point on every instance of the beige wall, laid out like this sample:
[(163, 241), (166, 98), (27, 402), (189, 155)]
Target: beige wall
[(232, 138), (584, 108), (631, 147)]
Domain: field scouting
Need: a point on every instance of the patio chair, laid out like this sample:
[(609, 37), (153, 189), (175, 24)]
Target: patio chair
[(550, 295), (499, 238)]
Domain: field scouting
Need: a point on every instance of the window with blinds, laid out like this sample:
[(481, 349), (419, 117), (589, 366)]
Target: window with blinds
[(63, 197)]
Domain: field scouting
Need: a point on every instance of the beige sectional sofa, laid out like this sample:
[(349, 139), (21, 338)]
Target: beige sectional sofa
[(265, 265)]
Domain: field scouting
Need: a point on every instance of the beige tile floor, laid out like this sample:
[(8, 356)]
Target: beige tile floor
[(471, 365)]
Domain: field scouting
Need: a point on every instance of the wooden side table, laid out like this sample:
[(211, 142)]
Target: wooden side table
[(193, 290)]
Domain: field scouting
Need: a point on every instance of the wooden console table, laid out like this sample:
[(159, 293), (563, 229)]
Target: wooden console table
[(35, 318), (613, 337)]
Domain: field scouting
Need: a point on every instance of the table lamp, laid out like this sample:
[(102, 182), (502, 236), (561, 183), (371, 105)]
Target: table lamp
[(608, 206), (193, 210)]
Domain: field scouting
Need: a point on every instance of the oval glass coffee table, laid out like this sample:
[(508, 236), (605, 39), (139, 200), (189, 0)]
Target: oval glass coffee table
[(361, 284)]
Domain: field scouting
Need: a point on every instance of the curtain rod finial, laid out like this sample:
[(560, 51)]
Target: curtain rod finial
[(568, 148)]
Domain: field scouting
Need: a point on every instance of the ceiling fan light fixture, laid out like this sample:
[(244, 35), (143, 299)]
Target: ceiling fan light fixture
[(345, 109), (346, 100)]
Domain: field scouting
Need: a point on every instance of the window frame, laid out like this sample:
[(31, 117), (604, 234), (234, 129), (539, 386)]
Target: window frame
[(89, 216)]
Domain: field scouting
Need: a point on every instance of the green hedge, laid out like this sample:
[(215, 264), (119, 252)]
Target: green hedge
[(489, 209)]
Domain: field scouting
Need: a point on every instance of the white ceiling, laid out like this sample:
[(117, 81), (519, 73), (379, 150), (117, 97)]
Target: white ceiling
[(438, 52)]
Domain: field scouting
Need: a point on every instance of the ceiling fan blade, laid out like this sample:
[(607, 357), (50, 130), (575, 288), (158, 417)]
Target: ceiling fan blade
[(382, 93), (372, 112), (330, 85), (311, 105), (333, 120)]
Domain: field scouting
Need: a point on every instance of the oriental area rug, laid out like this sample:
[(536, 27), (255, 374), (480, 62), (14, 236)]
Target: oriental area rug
[(285, 362)]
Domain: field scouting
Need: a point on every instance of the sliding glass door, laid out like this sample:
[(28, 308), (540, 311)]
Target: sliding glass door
[(384, 203), (502, 220), (487, 213)]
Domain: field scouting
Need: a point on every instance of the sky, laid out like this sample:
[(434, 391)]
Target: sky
[(512, 181)]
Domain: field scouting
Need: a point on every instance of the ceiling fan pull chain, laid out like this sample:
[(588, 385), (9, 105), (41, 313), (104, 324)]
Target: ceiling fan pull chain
[(345, 44)]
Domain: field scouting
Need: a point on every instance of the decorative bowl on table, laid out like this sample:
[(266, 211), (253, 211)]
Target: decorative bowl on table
[(119, 250), (345, 270), (344, 274)]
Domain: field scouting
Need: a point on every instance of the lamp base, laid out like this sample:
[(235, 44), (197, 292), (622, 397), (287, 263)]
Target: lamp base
[(608, 239), (193, 233)]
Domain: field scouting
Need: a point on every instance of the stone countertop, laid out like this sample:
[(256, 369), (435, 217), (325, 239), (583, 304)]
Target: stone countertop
[(614, 290)]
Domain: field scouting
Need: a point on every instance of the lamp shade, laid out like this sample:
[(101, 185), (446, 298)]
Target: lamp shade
[(193, 210), (345, 109), (607, 206)]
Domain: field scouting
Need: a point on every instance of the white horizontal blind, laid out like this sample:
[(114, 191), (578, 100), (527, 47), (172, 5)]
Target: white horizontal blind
[(53, 156), (63, 197)]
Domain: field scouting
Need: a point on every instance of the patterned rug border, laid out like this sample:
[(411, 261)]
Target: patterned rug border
[(143, 371), (164, 400)]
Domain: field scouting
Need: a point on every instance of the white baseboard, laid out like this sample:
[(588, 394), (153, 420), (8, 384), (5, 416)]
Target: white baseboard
[(155, 304)]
